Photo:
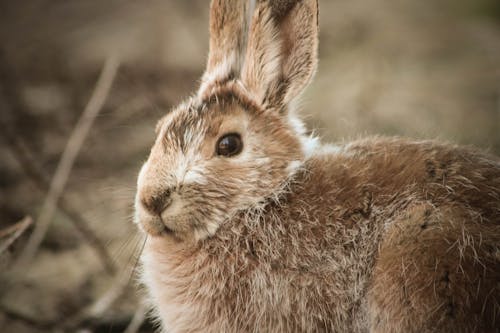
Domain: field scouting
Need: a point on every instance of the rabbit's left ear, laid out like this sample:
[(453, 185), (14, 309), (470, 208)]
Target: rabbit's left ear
[(281, 56), (228, 39)]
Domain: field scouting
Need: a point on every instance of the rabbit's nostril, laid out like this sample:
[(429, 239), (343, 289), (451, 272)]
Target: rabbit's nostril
[(157, 202)]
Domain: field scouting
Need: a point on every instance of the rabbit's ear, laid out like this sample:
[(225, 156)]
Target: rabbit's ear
[(282, 50), (228, 39)]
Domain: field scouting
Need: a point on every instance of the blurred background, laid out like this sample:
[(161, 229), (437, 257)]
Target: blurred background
[(423, 69)]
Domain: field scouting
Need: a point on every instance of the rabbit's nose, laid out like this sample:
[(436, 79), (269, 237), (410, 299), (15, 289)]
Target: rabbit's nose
[(156, 203)]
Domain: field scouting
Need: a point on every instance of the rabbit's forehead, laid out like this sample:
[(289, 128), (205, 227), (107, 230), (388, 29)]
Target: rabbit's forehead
[(190, 127), (202, 112)]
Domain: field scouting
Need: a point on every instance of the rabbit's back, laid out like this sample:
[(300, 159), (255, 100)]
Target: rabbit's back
[(389, 174), (437, 264)]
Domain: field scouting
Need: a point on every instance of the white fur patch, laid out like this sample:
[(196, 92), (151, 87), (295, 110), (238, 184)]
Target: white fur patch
[(329, 149), (296, 123), (309, 143), (293, 167), (180, 168), (194, 176), (220, 71)]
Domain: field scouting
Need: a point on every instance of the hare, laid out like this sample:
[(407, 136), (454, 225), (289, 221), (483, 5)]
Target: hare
[(252, 225)]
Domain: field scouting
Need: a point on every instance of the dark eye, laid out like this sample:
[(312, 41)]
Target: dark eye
[(229, 145)]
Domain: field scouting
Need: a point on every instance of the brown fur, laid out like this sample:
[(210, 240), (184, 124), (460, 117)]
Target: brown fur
[(376, 235), (282, 52), (228, 37)]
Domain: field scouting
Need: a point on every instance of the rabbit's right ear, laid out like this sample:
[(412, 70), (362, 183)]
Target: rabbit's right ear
[(281, 55), (228, 39)]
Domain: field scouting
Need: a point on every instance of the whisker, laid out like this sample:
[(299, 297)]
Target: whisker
[(134, 269)]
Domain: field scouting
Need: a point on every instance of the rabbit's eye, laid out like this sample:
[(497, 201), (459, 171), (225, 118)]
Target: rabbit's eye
[(229, 145)]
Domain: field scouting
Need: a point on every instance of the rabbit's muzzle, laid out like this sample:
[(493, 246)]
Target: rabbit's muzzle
[(153, 202), (156, 202), (160, 210)]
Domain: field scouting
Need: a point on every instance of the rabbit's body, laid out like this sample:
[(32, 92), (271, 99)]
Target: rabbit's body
[(253, 226), (384, 235)]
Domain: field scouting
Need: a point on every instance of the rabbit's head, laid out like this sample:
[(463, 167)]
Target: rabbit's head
[(235, 143)]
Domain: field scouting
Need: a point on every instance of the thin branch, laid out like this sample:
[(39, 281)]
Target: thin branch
[(95, 314), (40, 324), (15, 231), (35, 173), (99, 307), (109, 324), (138, 319), (68, 157), (106, 301), (12, 228), (34, 170)]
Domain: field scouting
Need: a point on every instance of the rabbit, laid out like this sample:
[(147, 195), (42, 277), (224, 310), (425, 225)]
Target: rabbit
[(253, 225)]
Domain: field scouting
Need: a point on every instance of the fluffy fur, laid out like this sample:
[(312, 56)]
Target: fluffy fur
[(377, 235)]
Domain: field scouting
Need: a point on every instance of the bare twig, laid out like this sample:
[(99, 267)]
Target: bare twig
[(32, 167), (106, 301), (34, 171), (137, 319), (40, 324), (99, 307), (11, 229), (95, 314), (15, 232), (68, 157), (107, 324)]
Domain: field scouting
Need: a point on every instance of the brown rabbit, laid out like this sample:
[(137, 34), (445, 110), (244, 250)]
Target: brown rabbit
[(254, 226)]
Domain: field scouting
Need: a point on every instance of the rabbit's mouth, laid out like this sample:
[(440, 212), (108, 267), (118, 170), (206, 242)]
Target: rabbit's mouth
[(153, 225), (166, 230)]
